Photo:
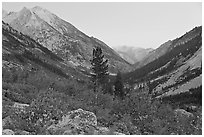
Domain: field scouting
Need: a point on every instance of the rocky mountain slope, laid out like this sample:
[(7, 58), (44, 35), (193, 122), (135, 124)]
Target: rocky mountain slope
[(154, 54), (177, 71), (132, 54), (61, 37), (163, 49), (21, 51), (28, 66)]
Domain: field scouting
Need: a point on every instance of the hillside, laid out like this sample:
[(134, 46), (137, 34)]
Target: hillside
[(23, 51), (166, 47), (153, 55), (27, 63), (177, 71), (62, 38)]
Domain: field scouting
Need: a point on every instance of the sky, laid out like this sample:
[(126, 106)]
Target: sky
[(146, 25)]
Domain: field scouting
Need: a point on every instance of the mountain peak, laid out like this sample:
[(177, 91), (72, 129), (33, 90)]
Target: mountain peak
[(24, 10), (37, 8)]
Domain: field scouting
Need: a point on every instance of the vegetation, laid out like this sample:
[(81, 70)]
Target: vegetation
[(50, 98), (119, 86), (193, 96), (99, 67), (48, 93), (184, 50)]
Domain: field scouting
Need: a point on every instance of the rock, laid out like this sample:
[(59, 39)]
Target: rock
[(107, 131), (20, 106), (192, 108), (182, 112), (6, 122), (121, 127), (21, 132), (70, 132), (103, 130), (79, 117), (79, 122), (117, 133), (75, 122), (8, 132)]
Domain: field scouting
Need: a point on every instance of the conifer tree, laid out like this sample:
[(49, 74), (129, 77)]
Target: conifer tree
[(99, 67), (119, 86)]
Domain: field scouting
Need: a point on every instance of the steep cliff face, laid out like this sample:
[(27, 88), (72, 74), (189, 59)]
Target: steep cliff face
[(61, 37)]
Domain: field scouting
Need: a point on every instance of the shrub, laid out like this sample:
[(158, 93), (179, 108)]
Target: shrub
[(46, 109)]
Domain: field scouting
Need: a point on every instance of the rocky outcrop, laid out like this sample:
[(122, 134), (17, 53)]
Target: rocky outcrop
[(8, 132), (22, 132), (78, 122), (6, 122), (17, 132), (19, 105), (182, 113)]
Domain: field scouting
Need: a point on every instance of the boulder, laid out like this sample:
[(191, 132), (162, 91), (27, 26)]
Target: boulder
[(121, 127), (20, 105), (79, 117), (103, 130), (75, 122), (6, 122), (79, 122), (8, 132), (183, 113), (107, 131), (21, 132)]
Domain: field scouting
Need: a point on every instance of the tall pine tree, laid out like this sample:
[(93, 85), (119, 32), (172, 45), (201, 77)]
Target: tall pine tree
[(119, 86), (99, 67)]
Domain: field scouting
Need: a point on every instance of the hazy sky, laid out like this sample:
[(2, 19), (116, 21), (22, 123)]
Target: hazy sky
[(133, 24)]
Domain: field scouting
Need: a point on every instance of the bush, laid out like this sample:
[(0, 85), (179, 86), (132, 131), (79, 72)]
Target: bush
[(17, 92), (47, 108)]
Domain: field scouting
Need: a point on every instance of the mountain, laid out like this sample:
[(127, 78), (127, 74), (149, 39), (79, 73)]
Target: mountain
[(28, 66), (163, 49), (62, 38), (48, 92), (19, 51), (174, 70), (28, 71), (186, 77), (154, 54), (132, 54)]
